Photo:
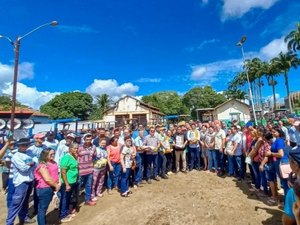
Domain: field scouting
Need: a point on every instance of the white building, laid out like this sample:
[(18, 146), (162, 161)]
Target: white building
[(229, 110), (129, 110)]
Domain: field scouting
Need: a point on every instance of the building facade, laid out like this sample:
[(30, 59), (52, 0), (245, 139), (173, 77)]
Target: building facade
[(130, 110)]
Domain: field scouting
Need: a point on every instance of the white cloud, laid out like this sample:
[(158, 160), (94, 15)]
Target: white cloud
[(208, 73), (29, 96), (273, 48), (112, 88), (237, 8), (149, 80), (269, 99), (204, 2), (201, 45), (7, 72)]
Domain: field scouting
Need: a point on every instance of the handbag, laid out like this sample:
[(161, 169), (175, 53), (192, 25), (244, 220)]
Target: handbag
[(285, 170), (100, 163)]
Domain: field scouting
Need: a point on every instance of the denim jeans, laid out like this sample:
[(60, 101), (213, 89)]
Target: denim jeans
[(45, 196), (212, 159), (260, 177), (151, 159), (20, 202), (86, 181), (169, 165), (113, 178), (10, 192), (238, 166), (194, 162), (65, 200), (162, 163), (139, 168), (125, 181), (230, 165)]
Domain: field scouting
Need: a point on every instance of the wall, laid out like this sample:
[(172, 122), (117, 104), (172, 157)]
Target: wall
[(223, 112)]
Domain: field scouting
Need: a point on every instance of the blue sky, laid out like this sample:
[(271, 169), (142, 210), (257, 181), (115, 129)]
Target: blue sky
[(139, 47)]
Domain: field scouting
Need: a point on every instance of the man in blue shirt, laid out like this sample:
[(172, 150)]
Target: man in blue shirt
[(23, 165)]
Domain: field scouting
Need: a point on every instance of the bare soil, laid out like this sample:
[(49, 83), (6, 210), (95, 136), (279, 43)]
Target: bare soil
[(198, 198)]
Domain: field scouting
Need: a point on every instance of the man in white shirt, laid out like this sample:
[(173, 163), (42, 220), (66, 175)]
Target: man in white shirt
[(193, 136), (219, 141), (237, 153)]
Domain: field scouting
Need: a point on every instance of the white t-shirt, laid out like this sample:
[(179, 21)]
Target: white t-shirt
[(237, 138), (219, 137)]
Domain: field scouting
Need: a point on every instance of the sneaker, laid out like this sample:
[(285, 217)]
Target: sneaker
[(135, 186), (94, 199), (169, 173), (156, 178), (66, 219), (100, 195), (184, 171), (109, 191), (90, 203), (164, 176), (271, 201), (29, 220), (149, 181)]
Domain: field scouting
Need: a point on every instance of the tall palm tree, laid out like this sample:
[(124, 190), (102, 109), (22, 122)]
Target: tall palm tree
[(103, 102), (270, 72), (283, 62), (293, 39)]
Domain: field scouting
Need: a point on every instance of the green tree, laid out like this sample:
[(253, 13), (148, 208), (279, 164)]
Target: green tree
[(69, 105), (202, 97), (169, 102), (6, 102), (293, 39), (235, 94), (103, 102), (283, 62)]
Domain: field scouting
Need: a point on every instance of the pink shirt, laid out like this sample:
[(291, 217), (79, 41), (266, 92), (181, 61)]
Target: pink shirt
[(114, 153), (53, 172)]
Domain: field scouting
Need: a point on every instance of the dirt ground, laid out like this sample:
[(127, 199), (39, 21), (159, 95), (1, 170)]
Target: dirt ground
[(195, 198)]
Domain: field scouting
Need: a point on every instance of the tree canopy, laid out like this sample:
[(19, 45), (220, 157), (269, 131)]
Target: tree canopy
[(6, 102), (69, 105), (169, 102)]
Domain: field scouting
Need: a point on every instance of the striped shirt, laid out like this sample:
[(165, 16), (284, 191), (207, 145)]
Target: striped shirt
[(85, 159)]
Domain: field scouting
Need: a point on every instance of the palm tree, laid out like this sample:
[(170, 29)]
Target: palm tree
[(103, 102), (283, 62), (270, 72), (293, 39)]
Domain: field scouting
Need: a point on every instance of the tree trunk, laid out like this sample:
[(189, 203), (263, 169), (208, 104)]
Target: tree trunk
[(286, 79), (274, 94)]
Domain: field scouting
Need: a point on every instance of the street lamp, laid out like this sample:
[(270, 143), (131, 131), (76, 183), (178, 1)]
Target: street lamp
[(16, 45), (240, 44)]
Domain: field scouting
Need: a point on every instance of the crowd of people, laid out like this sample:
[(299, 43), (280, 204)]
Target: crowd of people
[(100, 160)]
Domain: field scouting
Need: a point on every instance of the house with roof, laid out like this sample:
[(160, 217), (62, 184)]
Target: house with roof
[(130, 110), (230, 110)]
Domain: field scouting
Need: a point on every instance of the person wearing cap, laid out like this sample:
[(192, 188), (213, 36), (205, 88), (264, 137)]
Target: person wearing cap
[(63, 149), (86, 153), (294, 134), (24, 166), (285, 131), (50, 141), (288, 217), (78, 138)]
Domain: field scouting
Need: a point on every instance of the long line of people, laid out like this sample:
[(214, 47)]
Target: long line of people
[(89, 164)]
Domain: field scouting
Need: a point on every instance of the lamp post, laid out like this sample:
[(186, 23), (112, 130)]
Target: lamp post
[(16, 45), (240, 44)]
